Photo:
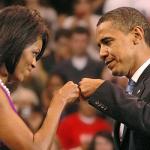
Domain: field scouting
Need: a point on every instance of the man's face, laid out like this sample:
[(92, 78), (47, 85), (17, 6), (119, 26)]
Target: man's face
[(116, 49)]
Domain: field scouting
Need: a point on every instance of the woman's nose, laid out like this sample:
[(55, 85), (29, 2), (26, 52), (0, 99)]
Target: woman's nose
[(34, 63)]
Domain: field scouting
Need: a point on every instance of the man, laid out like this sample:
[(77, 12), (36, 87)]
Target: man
[(123, 36)]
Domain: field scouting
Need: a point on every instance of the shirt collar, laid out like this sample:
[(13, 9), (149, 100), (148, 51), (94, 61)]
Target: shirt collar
[(138, 73)]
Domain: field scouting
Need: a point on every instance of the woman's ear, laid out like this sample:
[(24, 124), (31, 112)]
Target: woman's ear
[(3, 72)]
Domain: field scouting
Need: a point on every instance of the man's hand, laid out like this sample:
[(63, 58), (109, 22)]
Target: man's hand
[(88, 86)]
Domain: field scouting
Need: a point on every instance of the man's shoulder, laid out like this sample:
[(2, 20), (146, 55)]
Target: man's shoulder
[(142, 89)]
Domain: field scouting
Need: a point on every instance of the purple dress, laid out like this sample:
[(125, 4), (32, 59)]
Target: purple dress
[(2, 146)]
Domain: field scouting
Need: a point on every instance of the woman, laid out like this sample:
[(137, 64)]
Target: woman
[(23, 38)]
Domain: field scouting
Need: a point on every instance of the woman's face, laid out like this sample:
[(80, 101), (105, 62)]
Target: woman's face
[(28, 60)]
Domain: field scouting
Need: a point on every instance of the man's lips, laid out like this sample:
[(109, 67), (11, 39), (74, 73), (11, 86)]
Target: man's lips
[(110, 63), (107, 62)]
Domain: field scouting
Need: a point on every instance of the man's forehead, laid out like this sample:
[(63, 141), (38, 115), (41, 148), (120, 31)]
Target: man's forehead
[(106, 29), (104, 26)]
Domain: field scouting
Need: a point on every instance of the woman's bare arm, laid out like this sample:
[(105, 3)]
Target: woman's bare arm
[(16, 135)]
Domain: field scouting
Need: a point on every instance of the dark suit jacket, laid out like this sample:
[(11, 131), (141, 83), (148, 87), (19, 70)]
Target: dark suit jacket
[(133, 111)]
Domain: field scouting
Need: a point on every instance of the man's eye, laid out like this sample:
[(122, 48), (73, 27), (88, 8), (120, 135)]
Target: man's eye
[(107, 42)]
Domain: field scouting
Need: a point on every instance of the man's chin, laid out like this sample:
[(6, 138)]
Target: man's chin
[(117, 73)]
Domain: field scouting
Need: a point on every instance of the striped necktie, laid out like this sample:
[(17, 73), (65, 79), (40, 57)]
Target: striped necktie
[(130, 86)]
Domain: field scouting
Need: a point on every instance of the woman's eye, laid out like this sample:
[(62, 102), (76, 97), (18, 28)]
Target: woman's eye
[(35, 54)]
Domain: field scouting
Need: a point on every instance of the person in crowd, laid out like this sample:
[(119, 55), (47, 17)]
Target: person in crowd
[(83, 16), (77, 129), (102, 141), (62, 50), (80, 64), (27, 105), (47, 12), (55, 81)]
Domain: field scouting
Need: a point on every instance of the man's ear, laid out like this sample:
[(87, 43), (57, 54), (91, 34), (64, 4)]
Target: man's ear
[(137, 35)]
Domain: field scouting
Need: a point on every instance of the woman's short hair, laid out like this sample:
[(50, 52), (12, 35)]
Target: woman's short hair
[(19, 27)]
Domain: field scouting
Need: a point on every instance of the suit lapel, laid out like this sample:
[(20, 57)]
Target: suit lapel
[(117, 135), (139, 87), (138, 91)]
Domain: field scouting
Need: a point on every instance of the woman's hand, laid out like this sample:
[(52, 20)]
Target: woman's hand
[(68, 93)]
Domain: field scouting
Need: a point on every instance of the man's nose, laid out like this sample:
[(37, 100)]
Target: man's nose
[(103, 52)]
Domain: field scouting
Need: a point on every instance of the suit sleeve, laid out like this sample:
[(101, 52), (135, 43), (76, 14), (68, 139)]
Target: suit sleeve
[(130, 110)]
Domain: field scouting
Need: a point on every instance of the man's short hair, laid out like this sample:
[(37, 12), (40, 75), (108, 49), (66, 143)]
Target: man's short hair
[(125, 19)]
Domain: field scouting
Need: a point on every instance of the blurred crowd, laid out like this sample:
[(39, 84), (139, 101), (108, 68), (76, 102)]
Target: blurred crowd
[(72, 54)]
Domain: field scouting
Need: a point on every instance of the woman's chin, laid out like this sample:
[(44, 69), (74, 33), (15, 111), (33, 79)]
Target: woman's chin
[(19, 78), (22, 77)]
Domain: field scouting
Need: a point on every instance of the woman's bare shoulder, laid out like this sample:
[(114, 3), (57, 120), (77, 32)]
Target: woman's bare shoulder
[(3, 98)]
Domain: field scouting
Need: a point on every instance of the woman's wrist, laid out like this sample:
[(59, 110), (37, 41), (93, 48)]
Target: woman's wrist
[(58, 101)]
